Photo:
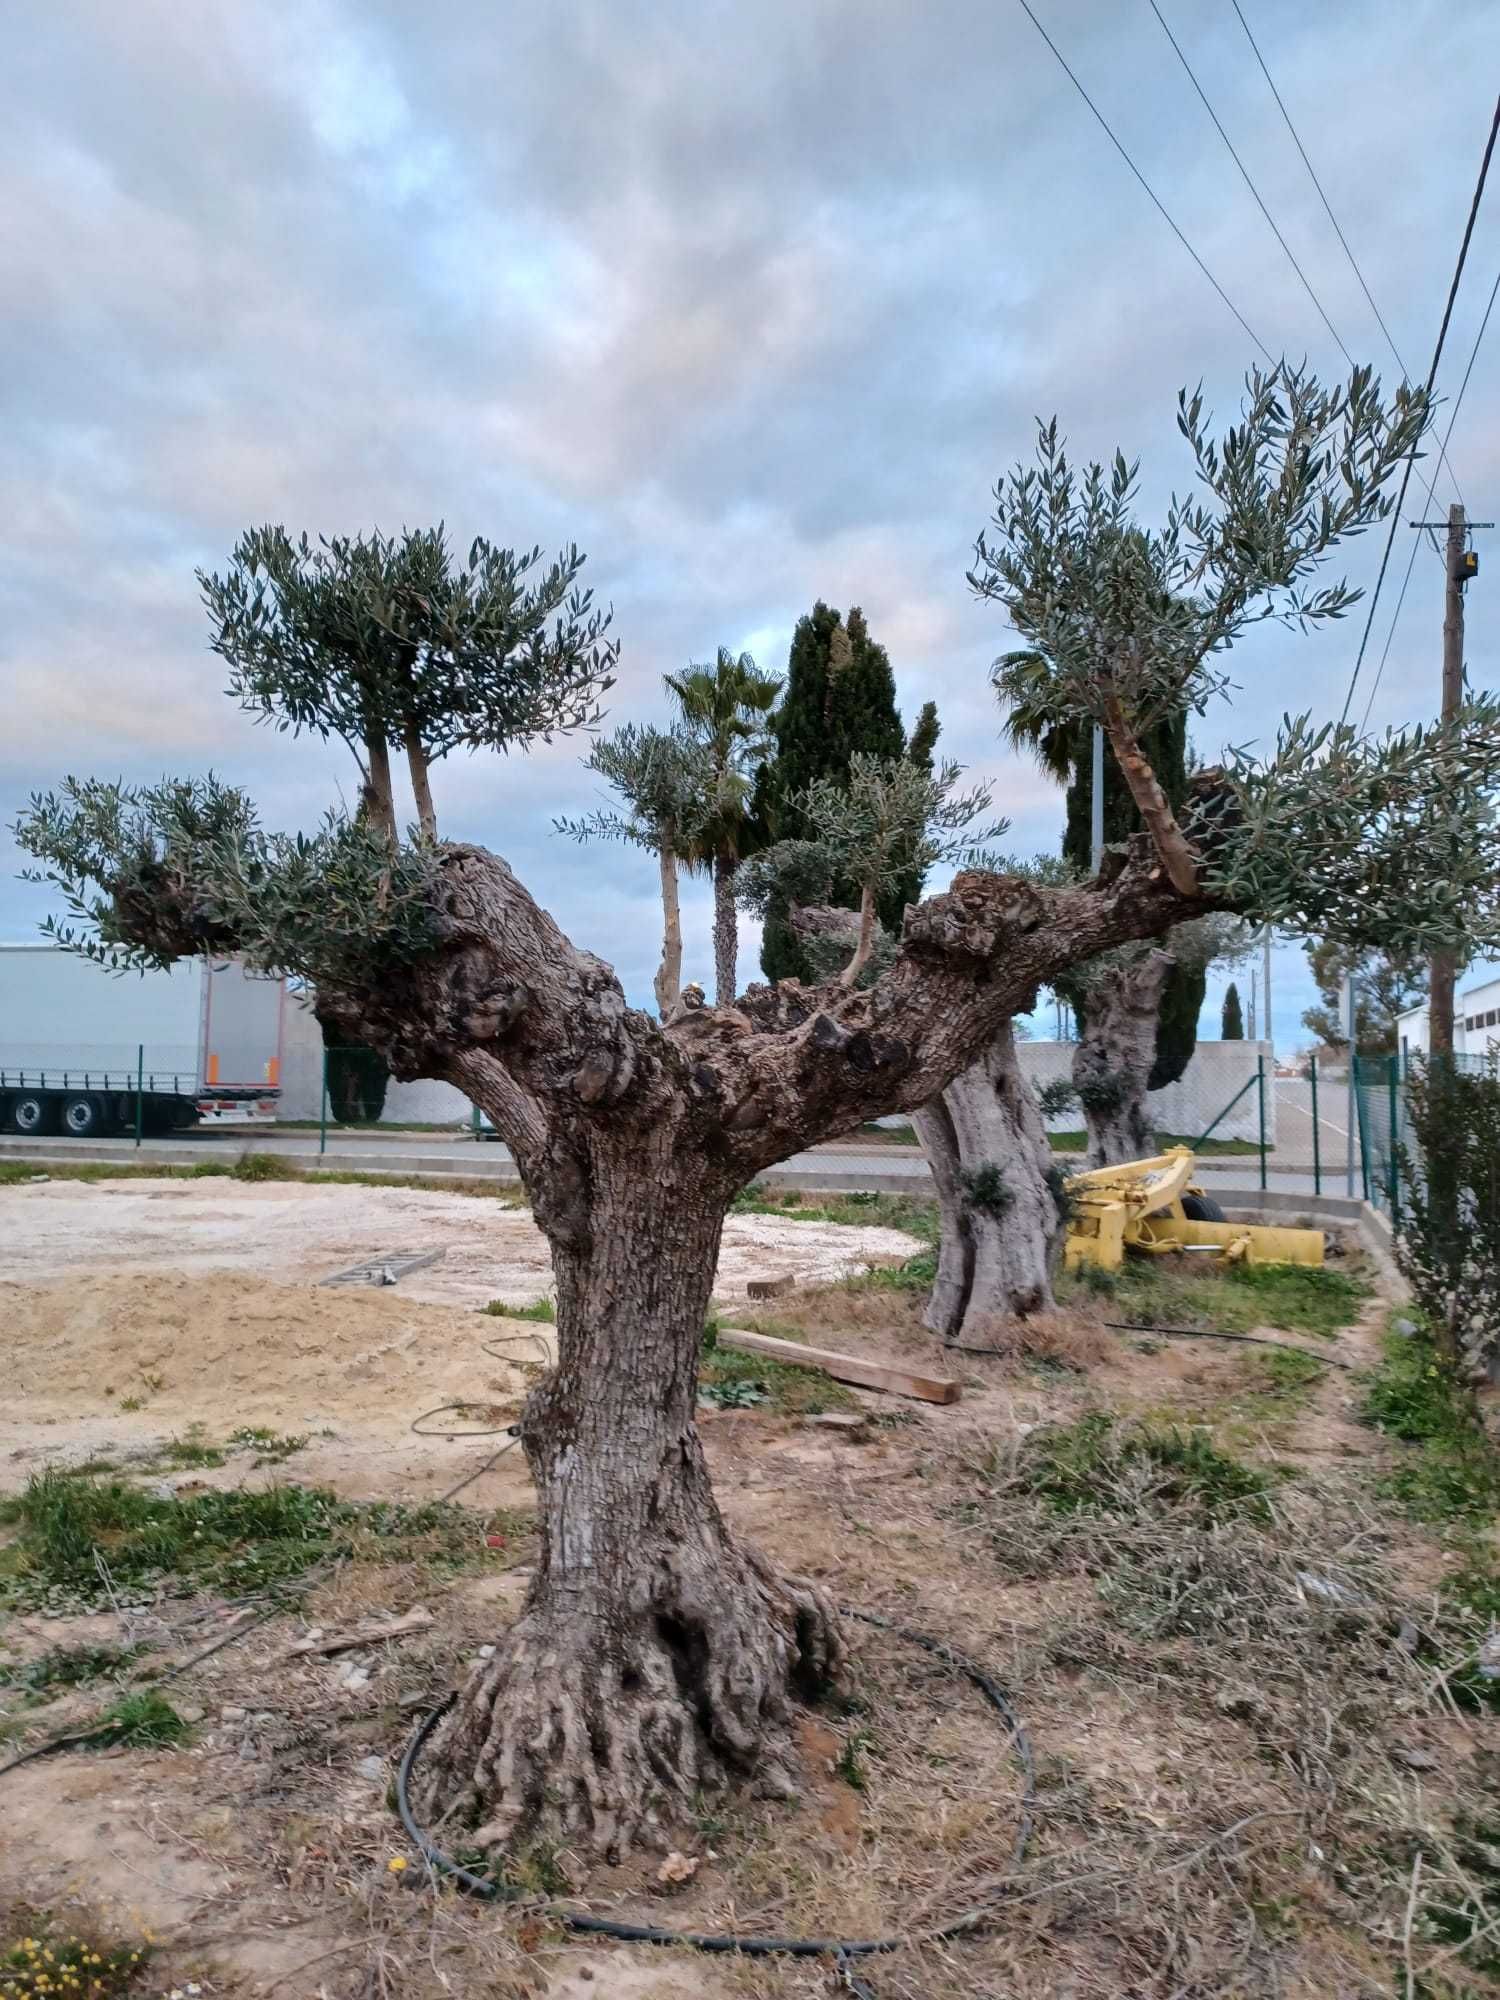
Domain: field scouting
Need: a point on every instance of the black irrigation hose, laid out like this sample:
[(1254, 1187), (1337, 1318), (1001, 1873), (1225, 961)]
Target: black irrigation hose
[(841, 1950), (536, 1340), (480, 1470), (1208, 1333), (447, 1431), (109, 1729)]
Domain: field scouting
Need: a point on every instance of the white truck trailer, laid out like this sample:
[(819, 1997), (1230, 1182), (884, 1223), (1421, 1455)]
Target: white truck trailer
[(86, 1052)]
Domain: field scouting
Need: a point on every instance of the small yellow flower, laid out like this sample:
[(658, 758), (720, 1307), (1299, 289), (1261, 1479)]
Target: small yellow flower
[(396, 1864)]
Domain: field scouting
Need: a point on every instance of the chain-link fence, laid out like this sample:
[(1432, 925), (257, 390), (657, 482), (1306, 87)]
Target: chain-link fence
[(1387, 1146)]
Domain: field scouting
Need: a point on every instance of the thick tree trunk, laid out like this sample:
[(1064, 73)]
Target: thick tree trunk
[(421, 784), (1000, 1222), (726, 931), (655, 1658), (1112, 1063), (668, 982)]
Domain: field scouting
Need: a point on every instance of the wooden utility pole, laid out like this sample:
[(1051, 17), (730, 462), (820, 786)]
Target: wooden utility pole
[(1444, 963)]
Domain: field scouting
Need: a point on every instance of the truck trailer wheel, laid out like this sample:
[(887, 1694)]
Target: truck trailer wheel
[(32, 1113), (84, 1117)]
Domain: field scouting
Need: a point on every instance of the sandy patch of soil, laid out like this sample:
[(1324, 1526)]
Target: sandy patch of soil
[(299, 1234), (199, 1303)]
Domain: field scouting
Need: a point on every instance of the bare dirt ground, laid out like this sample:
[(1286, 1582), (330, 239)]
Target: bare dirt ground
[(1250, 1774), (296, 1233), (133, 1310)]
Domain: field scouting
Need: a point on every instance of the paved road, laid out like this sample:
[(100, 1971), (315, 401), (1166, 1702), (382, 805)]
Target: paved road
[(1294, 1123), (848, 1165)]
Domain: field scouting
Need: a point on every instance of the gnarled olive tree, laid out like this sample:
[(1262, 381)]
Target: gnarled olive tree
[(656, 1655)]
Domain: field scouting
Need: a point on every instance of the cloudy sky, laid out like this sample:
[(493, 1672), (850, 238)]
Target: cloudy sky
[(753, 302)]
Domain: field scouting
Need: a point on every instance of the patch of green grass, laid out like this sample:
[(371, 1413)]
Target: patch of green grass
[(1474, 1589), (1452, 1471), (743, 1395), (1077, 1142), (884, 1211), (143, 1719), (270, 1447), (1298, 1298), (67, 1666), (1476, 1586), (239, 1542), (851, 1762), (1468, 1924), (15, 1173), (1106, 1464), (1279, 1380), (535, 1870), (265, 1167), (795, 1391), (1294, 1298), (191, 1449), (542, 1310), (915, 1275)]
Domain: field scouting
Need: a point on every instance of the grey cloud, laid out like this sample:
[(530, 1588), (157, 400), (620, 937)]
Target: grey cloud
[(754, 302)]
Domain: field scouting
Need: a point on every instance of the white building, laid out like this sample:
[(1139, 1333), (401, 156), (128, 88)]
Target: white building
[(1476, 1023)]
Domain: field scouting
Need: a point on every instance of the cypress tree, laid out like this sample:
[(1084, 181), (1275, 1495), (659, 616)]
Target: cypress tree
[(1232, 1027), (924, 736), (840, 697)]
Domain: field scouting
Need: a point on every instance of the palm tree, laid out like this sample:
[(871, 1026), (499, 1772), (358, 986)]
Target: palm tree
[(726, 708)]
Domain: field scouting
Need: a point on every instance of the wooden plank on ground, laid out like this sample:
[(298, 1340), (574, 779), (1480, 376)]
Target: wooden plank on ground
[(843, 1367)]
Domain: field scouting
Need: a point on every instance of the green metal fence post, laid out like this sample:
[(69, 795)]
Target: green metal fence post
[(1362, 1128), (323, 1111), (1394, 1080), (140, 1090), (1312, 1071), (1260, 1092)]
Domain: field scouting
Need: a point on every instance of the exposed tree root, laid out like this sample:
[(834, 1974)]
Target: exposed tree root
[(595, 1724)]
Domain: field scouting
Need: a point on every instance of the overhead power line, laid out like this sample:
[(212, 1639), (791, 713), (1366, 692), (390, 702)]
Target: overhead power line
[(1156, 201), (1249, 183), (1437, 355), (1312, 174), (1417, 540)]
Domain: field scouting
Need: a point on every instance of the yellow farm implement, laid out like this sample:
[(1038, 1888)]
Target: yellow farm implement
[(1154, 1206)]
